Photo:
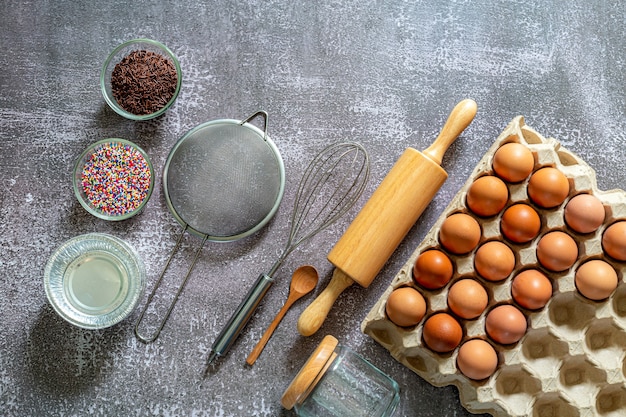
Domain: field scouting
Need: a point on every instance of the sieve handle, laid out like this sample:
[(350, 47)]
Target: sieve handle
[(259, 113), (241, 317)]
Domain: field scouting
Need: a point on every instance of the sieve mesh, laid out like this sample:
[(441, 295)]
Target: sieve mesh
[(223, 180)]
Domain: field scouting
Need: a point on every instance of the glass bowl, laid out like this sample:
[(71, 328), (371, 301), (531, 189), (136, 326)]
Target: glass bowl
[(94, 280), (113, 179), (121, 53)]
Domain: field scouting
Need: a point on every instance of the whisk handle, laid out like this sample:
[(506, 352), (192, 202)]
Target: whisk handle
[(314, 315), (241, 316)]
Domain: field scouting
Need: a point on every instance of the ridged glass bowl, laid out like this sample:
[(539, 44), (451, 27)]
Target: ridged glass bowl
[(117, 56), (94, 280), (113, 179)]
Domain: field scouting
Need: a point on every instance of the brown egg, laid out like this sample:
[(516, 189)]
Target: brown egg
[(520, 223), (614, 241), (442, 333), (477, 359), (513, 162), (459, 233), (405, 306), (557, 251), (433, 269), (596, 279), (494, 261), (548, 187), (584, 213), (531, 289), (487, 196), (505, 324), (467, 298)]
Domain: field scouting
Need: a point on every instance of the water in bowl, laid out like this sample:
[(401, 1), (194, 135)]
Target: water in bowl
[(96, 282)]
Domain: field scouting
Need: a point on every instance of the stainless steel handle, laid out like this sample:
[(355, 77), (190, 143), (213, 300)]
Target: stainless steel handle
[(262, 114), (241, 317)]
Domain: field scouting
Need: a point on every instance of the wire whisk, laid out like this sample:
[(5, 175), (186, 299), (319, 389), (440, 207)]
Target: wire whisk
[(331, 184)]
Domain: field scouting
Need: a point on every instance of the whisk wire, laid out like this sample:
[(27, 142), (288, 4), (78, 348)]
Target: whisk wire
[(309, 217), (339, 201)]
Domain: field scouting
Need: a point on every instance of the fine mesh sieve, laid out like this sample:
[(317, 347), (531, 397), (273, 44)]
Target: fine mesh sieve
[(222, 181)]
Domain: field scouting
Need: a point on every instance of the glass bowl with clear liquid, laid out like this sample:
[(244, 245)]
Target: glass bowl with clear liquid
[(94, 280)]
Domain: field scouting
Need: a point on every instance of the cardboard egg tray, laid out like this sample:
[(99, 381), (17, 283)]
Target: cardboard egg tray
[(571, 362)]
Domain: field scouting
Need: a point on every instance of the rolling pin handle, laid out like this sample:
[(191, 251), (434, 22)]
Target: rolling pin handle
[(314, 315), (460, 117)]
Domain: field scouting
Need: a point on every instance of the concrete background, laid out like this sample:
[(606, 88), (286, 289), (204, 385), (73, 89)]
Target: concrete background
[(384, 73)]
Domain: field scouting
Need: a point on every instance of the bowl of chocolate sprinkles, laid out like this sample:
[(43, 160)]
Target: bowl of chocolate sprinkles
[(141, 79)]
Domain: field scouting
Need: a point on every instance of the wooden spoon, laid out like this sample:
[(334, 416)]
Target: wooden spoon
[(303, 281)]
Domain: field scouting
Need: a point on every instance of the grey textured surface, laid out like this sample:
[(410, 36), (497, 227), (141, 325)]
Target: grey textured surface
[(384, 73)]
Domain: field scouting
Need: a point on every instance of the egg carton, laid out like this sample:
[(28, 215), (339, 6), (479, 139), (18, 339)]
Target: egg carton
[(571, 362)]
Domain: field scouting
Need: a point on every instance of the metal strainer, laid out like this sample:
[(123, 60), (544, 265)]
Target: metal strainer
[(222, 181)]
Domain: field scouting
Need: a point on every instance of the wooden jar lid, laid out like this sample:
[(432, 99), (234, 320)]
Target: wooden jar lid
[(311, 372)]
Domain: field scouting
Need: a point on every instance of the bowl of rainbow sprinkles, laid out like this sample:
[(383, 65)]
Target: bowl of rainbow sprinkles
[(113, 179)]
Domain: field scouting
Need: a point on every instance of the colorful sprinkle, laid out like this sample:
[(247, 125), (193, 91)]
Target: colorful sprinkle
[(116, 179)]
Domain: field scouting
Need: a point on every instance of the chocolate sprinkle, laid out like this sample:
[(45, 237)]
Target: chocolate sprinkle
[(143, 82)]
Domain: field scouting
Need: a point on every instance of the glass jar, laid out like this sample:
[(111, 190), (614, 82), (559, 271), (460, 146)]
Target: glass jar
[(336, 381)]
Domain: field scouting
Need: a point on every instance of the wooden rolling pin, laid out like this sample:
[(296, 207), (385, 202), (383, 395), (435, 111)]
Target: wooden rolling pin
[(387, 217)]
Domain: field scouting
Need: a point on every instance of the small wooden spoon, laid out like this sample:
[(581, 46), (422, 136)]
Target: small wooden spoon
[(303, 281)]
